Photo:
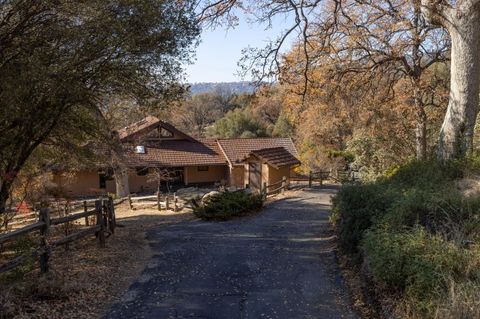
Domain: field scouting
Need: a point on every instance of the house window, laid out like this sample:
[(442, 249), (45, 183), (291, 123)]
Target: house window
[(202, 168), (102, 181), (164, 133)]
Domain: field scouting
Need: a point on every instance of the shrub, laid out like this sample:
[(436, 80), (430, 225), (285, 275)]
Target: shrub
[(225, 205), (417, 235), (354, 209), (416, 262)]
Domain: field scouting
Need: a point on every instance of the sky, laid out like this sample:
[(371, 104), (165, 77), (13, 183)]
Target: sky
[(220, 50)]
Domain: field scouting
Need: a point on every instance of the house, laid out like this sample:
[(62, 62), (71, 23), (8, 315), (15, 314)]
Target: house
[(153, 144)]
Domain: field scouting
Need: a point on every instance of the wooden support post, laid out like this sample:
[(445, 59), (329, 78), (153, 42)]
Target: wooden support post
[(111, 211), (264, 190), (166, 202), (284, 184), (159, 206), (175, 200), (85, 209), (100, 221), (130, 201), (44, 216), (310, 177)]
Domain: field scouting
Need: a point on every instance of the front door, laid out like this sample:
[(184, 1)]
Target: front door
[(255, 176)]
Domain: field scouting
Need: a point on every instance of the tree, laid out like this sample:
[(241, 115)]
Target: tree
[(198, 112), (59, 55), (461, 19), (237, 123)]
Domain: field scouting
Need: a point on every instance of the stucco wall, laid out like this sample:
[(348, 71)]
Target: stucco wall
[(276, 175), (84, 183), (139, 184), (237, 176), (214, 174)]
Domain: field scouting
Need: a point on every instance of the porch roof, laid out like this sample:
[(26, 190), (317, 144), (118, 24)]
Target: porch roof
[(275, 156)]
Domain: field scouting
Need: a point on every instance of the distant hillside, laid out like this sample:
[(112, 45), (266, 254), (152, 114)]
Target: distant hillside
[(223, 87)]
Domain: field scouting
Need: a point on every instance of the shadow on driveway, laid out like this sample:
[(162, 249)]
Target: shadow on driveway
[(277, 264)]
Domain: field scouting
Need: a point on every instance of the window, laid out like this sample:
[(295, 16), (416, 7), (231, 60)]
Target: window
[(164, 133), (202, 168), (102, 181)]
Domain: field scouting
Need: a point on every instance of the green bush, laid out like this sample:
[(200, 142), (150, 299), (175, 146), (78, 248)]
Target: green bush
[(417, 234), (416, 262), (225, 205), (354, 209)]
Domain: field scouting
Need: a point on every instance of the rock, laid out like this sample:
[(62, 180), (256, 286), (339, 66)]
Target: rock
[(206, 197)]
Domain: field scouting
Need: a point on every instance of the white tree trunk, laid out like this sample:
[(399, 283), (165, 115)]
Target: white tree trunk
[(462, 20), (121, 181)]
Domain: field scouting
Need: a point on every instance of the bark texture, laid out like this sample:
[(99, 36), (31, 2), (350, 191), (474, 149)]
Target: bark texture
[(463, 25), (121, 181)]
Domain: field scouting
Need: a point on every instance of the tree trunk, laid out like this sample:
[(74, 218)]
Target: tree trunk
[(121, 181), (421, 125), (421, 135), (456, 135)]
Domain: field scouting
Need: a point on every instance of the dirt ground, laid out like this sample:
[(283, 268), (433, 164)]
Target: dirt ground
[(85, 280)]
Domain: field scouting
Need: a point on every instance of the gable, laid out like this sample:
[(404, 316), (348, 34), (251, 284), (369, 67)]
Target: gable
[(151, 128)]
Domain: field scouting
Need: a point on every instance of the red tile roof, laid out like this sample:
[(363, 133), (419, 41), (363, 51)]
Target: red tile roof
[(149, 123), (175, 153), (137, 126), (276, 156), (188, 151), (237, 149)]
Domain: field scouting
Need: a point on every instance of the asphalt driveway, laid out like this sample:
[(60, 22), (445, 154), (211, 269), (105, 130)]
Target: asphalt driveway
[(277, 264)]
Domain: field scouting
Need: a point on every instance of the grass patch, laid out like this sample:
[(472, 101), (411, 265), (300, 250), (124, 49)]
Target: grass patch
[(226, 205), (418, 236)]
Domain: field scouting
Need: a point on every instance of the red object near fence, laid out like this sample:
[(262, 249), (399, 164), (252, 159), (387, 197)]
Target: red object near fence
[(22, 208)]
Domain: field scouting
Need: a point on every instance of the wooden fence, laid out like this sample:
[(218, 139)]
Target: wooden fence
[(275, 188), (160, 201), (105, 224), (339, 176)]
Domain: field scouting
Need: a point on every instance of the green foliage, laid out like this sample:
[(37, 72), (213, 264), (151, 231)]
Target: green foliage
[(225, 205), (61, 59), (417, 262), (416, 232), (354, 209), (237, 123)]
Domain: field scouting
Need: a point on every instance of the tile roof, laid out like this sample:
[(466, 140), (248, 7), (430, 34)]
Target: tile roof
[(137, 126), (237, 149), (276, 156), (171, 153), (148, 123)]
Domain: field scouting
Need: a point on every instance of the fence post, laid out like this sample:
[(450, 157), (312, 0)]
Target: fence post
[(321, 178), (175, 200), (159, 206), (111, 216), (100, 221), (284, 183), (310, 177), (44, 216), (166, 202), (85, 209), (130, 201)]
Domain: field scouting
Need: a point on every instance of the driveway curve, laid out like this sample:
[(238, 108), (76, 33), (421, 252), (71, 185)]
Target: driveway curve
[(279, 263)]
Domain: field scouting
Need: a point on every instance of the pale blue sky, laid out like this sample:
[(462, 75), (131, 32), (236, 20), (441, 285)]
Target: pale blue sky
[(220, 50)]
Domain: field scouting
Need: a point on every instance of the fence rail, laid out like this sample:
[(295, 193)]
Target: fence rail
[(105, 223), (275, 188), (170, 201)]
